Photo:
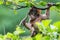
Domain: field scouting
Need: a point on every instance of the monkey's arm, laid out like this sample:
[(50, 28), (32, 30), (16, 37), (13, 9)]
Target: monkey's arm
[(46, 15)]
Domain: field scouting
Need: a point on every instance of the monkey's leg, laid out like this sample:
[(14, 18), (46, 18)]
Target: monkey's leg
[(29, 26), (33, 30)]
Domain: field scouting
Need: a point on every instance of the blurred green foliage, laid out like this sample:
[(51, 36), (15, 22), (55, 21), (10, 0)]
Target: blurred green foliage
[(10, 18), (12, 36), (50, 32)]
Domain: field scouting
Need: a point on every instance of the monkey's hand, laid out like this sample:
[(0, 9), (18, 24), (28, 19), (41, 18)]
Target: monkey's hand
[(51, 4), (23, 22)]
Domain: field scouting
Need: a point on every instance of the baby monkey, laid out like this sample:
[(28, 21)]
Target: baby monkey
[(36, 16)]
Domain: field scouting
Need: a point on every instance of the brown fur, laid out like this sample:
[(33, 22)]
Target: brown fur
[(36, 16)]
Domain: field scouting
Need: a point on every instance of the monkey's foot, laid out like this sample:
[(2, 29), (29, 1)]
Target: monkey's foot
[(34, 33)]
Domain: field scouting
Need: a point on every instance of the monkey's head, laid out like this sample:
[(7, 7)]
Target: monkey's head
[(34, 12)]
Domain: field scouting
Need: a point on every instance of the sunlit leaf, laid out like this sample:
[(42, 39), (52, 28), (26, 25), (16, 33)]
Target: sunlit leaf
[(59, 37), (58, 5), (46, 22), (1, 2), (8, 36), (46, 38), (19, 30), (38, 37), (33, 0), (15, 12), (26, 38), (1, 39), (57, 24), (21, 0), (9, 0), (7, 3), (42, 3), (52, 27)]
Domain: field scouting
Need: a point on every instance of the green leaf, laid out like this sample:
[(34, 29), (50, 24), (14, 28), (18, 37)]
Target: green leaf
[(42, 3), (29, 4), (19, 30), (38, 37), (46, 38), (46, 22), (58, 5), (57, 24), (1, 2), (15, 11)]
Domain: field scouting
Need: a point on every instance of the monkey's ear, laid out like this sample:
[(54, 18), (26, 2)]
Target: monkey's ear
[(38, 11)]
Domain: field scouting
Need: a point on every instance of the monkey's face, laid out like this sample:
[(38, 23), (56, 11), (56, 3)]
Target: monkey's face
[(34, 13)]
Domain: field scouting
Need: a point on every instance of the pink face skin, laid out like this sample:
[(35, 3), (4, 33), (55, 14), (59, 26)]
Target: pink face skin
[(32, 16)]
